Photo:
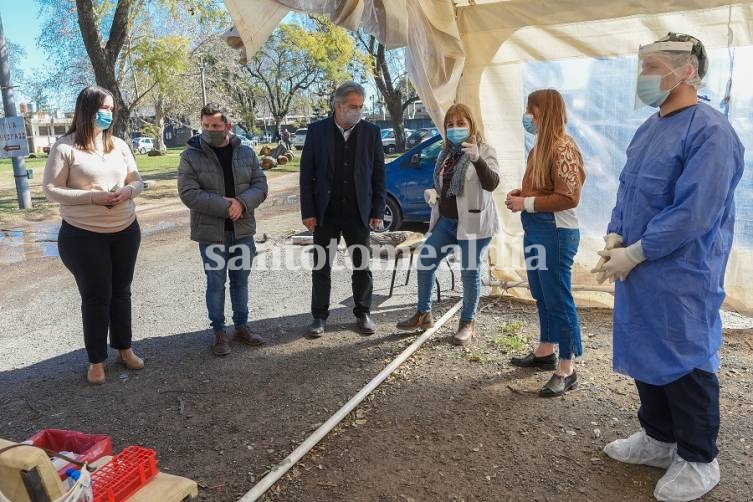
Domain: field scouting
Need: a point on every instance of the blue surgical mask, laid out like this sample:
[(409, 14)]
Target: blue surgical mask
[(649, 91), (104, 120), (528, 124), (457, 135)]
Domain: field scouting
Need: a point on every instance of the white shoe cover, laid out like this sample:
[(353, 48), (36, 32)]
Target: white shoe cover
[(686, 481), (642, 449)]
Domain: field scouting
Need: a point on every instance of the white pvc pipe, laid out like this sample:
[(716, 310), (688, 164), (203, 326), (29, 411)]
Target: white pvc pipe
[(280, 469)]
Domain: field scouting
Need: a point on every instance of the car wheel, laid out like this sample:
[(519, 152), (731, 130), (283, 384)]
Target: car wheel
[(391, 149), (393, 217), (142, 150)]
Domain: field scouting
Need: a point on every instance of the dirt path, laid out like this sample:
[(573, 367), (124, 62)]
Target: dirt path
[(463, 424)]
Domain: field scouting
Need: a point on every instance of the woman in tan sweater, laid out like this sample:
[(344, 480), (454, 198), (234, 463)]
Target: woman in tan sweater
[(547, 200), (93, 176)]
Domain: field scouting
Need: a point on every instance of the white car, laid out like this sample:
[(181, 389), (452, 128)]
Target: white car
[(388, 139), (299, 138), (142, 145)]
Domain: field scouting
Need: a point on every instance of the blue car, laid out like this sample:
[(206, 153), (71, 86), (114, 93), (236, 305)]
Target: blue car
[(406, 178)]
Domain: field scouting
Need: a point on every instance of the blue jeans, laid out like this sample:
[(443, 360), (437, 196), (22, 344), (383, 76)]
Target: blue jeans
[(550, 280), (220, 261), (442, 239)]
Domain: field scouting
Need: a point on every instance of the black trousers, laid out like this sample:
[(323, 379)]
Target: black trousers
[(685, 411), (102, 265), (326, 237)]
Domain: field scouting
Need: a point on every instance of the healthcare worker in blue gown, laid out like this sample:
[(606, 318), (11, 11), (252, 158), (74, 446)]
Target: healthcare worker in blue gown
[(667, 248)]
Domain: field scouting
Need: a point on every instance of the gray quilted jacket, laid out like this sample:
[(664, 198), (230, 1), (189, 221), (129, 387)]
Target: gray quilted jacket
[(201, 186)]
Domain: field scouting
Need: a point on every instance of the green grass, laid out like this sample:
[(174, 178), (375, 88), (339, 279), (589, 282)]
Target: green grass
[(512, 338), (161, 170)]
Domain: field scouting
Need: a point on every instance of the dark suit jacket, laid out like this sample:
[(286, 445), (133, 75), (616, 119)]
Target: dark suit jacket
[(317, 170)]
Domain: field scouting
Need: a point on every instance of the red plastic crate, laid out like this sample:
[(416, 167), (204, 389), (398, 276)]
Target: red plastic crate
[(122, 476)]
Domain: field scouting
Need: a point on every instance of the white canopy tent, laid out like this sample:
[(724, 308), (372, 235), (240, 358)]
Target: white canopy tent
[(490, 54)]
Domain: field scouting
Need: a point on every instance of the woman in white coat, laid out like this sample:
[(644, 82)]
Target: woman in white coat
[(464, 217)]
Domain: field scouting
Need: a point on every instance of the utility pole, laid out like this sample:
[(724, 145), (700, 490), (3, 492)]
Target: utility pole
[(19, 169), (203, 83)]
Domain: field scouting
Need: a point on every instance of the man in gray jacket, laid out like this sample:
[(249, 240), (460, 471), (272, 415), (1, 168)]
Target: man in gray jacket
[(222, 183)]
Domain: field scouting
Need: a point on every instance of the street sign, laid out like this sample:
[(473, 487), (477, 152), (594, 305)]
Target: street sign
[(13, 142)]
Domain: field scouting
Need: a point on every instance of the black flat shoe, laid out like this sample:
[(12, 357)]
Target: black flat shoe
[(365, 325), (558, 385), (548, 363), (316, 328)]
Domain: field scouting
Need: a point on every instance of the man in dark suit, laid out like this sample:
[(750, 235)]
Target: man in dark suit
[(342, 193)]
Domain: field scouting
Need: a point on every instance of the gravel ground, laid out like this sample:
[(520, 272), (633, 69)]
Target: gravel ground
[(450, 425)]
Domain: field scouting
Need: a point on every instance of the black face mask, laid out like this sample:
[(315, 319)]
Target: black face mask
[(215, 139)]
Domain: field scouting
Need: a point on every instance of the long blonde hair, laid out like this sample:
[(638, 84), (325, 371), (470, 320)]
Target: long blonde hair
[(550, 130), (461, 110)]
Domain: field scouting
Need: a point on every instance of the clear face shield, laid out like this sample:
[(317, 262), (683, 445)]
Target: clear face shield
[(660, 68)]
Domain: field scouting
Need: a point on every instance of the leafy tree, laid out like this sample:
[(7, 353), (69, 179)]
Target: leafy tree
[(228, 82), (296, 58), (164, 60), (103, 39), (391, 80)]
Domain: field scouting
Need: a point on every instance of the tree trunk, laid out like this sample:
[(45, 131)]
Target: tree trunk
[(395, 109), (391, 93), (278, 121), (103, 59), (159, 122)]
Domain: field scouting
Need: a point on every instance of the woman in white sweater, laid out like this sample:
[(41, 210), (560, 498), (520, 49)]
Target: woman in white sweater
[(93, 176), (465, 216)]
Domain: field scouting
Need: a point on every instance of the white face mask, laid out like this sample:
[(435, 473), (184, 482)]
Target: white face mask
[(351, 116)]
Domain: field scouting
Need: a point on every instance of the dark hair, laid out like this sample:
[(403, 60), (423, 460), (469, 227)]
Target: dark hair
[(210, 109), (88, 102)]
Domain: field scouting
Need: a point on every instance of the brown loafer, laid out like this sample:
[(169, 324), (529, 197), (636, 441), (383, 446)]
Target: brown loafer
[(464, 333), (221, 344), (130, 360), (245, 335), (419, 320), (95, 374)]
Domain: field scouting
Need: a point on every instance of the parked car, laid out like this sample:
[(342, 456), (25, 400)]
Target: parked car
[(299, 138), (142, 145), (246, 141), (388, 139), (418, 136), (406, 179)]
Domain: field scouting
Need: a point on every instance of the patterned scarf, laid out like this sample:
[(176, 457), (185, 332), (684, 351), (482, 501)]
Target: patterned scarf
[(446, 159)]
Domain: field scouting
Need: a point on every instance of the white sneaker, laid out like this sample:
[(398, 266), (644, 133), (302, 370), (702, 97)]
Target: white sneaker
[(642, 449), (686, 481)]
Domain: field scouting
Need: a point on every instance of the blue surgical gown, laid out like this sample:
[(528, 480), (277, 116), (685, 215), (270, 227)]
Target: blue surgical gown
[(676, 196)]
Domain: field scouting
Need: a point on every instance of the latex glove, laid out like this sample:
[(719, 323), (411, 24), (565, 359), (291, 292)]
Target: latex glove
[(611, 240), (621, 261), (430, 196), (471, 149)]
